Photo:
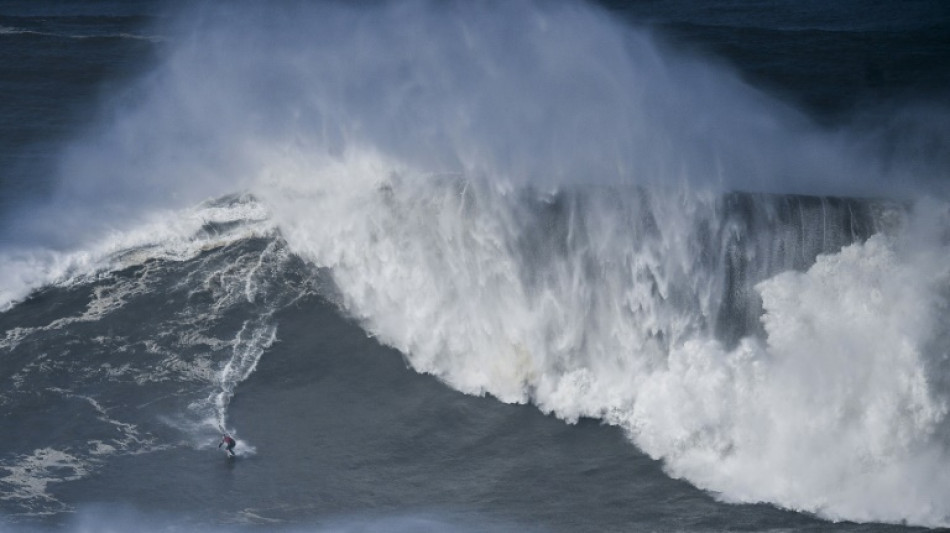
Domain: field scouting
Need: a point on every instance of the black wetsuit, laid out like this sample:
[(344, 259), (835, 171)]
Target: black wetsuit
[(230, 444)]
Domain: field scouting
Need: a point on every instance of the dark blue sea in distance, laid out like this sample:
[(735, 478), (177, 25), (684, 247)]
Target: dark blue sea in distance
[(548, 266)]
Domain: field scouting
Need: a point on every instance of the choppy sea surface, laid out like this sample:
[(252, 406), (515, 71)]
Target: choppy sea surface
[(470, 266)]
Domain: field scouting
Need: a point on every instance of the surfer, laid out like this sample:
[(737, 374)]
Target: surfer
[(229, 442)]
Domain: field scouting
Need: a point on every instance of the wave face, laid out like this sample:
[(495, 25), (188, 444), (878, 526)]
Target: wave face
[(535, 202)]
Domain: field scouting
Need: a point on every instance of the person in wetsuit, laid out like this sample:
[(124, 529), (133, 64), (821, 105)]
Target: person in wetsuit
[(229, 444)]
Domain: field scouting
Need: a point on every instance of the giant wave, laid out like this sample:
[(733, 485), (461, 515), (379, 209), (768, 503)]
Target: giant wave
[(532, 201)]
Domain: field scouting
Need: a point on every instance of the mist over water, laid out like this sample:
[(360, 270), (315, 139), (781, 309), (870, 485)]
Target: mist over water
[(534, 201)]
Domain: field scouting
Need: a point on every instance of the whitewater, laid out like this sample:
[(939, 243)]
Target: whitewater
[(539, 203)]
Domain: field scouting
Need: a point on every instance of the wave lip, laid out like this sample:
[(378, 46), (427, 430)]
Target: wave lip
[(168, 235)]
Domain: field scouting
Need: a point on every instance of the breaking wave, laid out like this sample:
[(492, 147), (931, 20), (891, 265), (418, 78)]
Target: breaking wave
[(533, 201)]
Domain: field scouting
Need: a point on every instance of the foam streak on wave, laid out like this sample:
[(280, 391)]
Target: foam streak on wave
[(245, 354)]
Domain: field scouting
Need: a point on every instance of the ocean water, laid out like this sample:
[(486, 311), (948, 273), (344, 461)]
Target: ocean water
[(545, 266)]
